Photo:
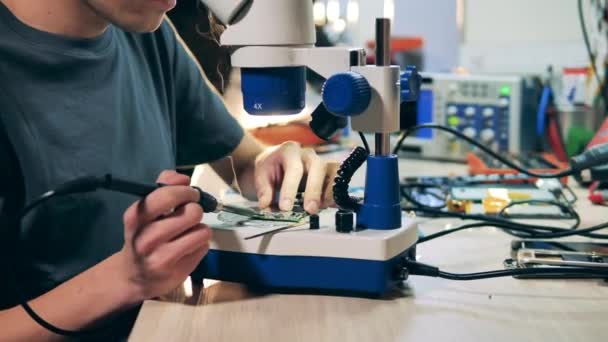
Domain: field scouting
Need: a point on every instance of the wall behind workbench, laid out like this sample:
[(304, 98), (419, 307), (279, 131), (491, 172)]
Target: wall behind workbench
[(497, 36), (521, 35), (434, 20)]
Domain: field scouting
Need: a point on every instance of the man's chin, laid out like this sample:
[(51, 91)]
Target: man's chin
[(146, 26)]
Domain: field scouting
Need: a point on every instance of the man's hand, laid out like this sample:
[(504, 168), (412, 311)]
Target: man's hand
[(288, 168), (164, 239)]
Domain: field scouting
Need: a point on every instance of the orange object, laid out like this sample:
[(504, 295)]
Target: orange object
[(459, 206), (401, 44), (478, 167), (295, 131), (398, 45)]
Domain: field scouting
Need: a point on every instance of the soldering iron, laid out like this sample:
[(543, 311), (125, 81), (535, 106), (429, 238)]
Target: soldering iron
[(91, 183)]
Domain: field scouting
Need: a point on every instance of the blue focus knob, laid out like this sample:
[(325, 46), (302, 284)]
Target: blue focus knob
[(346, 94), (410, 84)]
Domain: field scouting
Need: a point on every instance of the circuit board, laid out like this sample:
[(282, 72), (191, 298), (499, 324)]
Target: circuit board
[(263, 217), (291, 216)]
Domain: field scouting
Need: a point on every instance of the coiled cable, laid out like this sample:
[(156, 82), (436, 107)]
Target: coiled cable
[(348, 168)]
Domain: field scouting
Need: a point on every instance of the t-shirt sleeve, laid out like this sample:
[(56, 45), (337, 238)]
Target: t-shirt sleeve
[(205, 129)]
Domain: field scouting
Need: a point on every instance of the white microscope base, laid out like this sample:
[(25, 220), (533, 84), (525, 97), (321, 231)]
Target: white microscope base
[(300, 259)]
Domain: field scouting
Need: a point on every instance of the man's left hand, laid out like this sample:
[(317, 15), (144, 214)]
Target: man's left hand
[(288, 168)]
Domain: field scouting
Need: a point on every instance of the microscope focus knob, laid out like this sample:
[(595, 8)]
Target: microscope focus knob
[(346, 94), (410, 84)]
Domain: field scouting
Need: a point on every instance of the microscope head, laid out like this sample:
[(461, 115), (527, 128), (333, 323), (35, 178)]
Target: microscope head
[(273, 42), (262, 35)]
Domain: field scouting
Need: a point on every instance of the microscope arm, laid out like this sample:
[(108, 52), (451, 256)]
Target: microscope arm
[(324, 61)]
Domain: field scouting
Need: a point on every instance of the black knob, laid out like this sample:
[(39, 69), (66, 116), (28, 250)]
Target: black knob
[(314, 221), (344, 221), (324, 124)]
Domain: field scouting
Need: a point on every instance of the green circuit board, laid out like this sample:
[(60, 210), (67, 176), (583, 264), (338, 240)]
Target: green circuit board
[(290, 216)]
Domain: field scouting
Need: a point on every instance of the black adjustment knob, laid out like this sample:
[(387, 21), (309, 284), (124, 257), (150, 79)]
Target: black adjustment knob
[(314, 221), (344, 221)]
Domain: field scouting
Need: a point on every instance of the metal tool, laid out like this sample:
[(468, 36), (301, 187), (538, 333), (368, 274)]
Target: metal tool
[(208, 202), (238, 210), (273, 231)]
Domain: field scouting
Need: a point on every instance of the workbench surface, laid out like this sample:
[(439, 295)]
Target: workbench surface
[(429, 309)]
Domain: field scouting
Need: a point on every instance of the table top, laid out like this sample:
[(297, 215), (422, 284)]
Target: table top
[(501, 309)]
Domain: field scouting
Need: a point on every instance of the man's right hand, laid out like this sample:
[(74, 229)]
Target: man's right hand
[(164, 242), (164, 239)]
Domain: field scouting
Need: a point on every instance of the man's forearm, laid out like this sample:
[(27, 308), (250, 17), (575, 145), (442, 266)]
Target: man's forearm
[(77, 304)]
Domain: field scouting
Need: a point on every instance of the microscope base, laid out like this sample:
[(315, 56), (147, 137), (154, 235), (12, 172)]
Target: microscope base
[(362, 263)]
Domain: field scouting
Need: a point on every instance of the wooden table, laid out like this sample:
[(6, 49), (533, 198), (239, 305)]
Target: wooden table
[(429, 309)]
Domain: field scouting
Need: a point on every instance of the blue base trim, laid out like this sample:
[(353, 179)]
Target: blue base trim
[(303, 274)]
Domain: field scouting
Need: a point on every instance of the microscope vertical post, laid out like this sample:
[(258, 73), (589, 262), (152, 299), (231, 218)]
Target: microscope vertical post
[(381, 207), (383, 58)]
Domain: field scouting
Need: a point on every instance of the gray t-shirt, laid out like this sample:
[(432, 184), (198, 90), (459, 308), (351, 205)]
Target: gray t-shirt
[(126, 104)]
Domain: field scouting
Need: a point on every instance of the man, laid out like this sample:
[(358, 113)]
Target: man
[(103, 86)]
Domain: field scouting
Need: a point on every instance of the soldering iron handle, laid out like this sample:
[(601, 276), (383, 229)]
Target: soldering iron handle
[(593, 157), (132, 188), (207, 201)]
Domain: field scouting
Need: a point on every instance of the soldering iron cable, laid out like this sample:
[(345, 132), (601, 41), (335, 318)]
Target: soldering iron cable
[(595, 156)]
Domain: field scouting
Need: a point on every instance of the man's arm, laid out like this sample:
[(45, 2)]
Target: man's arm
[(159, 253), (74, 305)]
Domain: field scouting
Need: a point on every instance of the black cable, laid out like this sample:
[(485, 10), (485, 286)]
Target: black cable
[(485, 218), (525, 271), (510, 227), (573, 197), (410, 198), (594, 156), (434, 236), (528, 233), (364, 141), (473, 142), (591, 157), (420, 269), (434, 195), (420, 185), (565, 208), (348, 168)]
